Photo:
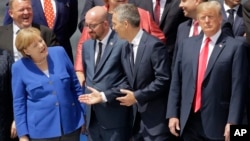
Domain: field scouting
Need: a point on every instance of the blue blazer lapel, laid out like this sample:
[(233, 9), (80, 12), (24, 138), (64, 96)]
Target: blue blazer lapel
[(219, 46), (195, 55)]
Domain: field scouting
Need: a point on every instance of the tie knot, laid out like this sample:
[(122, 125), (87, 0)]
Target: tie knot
[(100, 44), (207, 40), (231, 11), (196, 23)]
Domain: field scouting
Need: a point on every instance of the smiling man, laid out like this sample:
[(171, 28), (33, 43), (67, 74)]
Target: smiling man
[(22, 15)]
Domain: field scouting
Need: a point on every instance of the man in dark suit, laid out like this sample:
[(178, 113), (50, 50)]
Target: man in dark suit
[(107, 120), (22, 15), (65, 20), (208, 86), (170, 18), (237, 18), (146, 68)]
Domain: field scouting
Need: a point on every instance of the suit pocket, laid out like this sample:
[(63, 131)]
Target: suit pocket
[(65, 79), (35, 90)]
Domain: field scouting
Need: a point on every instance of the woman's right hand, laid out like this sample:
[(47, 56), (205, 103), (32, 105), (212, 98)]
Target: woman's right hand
[(24, 138)]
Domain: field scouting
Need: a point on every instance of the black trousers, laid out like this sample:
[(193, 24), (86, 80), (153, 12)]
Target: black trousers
[(74, 136)]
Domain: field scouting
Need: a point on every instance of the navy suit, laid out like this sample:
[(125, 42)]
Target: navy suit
[(172, 16), (108, 76), (65, 21), (238, 26), (223, 87), (150, 82)]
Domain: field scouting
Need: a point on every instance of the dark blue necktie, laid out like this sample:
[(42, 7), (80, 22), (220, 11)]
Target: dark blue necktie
[(131, 56)]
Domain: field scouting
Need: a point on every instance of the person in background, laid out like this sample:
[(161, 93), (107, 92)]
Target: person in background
[(87, 6), (6, 110), (45, 91), (146, 23), (104, 75), (59, 15), (22, 14), (209, 83), (145, 63), (168, 15)]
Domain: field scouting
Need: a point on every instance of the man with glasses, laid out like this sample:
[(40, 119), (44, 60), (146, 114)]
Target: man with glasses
[(106, 119)]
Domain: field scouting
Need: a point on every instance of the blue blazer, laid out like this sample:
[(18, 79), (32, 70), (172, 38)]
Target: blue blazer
[(223, 87), (149, 80), (108, 77), (46, 106), (65, 22)]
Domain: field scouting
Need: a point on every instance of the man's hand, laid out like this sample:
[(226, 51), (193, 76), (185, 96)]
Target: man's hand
[(227, 132), (92, 98), (24, 138), (13, 133), (174, 126), (128, 99)]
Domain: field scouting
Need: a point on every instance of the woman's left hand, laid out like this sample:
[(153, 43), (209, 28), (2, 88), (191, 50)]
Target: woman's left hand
[(13, 133)]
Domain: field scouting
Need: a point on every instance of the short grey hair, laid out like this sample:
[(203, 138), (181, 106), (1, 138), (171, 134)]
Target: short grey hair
[(128, 12)]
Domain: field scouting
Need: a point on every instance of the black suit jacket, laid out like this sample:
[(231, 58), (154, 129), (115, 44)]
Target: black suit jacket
[(6, 110), (171, 18), (150, 82), (6, 36)]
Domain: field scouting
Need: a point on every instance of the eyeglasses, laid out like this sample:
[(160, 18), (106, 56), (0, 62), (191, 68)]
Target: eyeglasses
[(92, 26)]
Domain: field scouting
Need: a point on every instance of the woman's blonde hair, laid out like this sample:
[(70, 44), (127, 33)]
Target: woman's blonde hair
[(25, 37)]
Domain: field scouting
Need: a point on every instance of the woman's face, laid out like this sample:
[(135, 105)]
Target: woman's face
[(37, 50)]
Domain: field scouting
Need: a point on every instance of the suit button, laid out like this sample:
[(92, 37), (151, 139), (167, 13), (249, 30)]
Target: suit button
[(54, 93), (94, 82), (57, 104), (50, 82), (73, 104)]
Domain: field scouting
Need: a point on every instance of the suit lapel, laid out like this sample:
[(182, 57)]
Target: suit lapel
[(139, 54), (106, 53), (197, 46), (167, 6), (219, 46), (91, 64), (37, 6), (238, 20), (9, 38)]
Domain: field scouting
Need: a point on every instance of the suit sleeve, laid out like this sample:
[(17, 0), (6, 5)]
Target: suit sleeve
[(19, 101), (7, 19), (174, 98), (239, 85)]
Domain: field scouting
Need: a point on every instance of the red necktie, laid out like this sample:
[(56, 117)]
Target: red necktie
[(157, 12), (195, 31), (201, 72), (49, 13)]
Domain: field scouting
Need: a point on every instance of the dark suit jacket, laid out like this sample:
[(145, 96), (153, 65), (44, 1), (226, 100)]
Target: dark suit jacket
[(171, 18), (223, 87), (150, 82), (246, 16), (6, 36), (6, 110), (65, 22), (107, 76), (238, 26)]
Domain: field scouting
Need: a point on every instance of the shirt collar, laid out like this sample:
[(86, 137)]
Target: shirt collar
[(137, 38), (105, 39), (213, 38)]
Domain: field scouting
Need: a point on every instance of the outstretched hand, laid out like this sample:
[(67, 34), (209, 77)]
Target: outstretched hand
[(92, 98)]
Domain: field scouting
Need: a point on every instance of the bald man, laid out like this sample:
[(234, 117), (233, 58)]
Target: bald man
[(107, 120)]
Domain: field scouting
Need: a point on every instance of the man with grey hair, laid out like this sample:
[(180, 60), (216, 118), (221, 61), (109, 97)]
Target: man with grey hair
[(145, 64), (209, 81)]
